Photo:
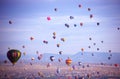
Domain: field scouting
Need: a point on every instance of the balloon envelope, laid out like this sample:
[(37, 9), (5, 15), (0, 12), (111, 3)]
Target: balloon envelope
[(68, 61), (13, 55)]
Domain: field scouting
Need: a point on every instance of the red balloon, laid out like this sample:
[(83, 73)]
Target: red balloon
[(48, 18)]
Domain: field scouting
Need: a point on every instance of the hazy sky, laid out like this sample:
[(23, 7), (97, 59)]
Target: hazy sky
[(29, 19)]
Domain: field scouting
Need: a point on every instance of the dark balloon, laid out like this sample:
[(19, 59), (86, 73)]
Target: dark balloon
[(89, 9), (71, 17), (79, 6), (89, 47), (23, 46), (79, 63), (67, 25), (13, 55), (55, 9), (60, 52), (10, 22), (90, 38), (54, 37), (101, 41), (81, 24), (31, 38), (118, 28), (44, 41), (98, 49), (98, 23), (58, 45), (109, 51), (58, 70), (52, 58), (5, 61), (109, 58), (91, 16), (92, 54), (75, 25), (94, 44)]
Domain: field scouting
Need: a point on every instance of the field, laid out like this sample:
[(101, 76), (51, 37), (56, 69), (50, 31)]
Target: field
[(58, 71)]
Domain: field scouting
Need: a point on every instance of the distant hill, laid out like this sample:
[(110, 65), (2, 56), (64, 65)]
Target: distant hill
[(97, 57), (86, 57)]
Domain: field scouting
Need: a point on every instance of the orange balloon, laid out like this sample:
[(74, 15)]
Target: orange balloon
[(82, 49), (68, 61)]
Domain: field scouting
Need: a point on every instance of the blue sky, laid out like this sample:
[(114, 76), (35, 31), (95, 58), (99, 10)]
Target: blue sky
[(29, 19)]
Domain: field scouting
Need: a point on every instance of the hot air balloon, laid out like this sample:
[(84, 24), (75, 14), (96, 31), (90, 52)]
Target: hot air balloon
[(41, 74), (48, 18), (32, 58), (94, 44), (54, 37), (5, 61), (75, 25), (59, 59), (91, 16), (89, 9), (67, 25), (48, 65), (81, 24), (62, 39), (9, 48), (10, 22), (55, 9), (13, 55), (44, 41), (60, 52), (37, 52), (79, 63), (116, 65), (52, 58), (109, 51), (118, 28), (98, 23), (74, 67), (31, 38), (79, 6), (71, 17), (24, 53), (90, 38), (58, 70), (54, 33), (58, 45), (23, 46), (40, 57), (109, 58), (98, 49), (82, 49), (68, 61), (89, 46), (101, 41), (92, 54)]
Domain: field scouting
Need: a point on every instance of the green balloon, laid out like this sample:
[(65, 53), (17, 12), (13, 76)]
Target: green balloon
[(13, 55)]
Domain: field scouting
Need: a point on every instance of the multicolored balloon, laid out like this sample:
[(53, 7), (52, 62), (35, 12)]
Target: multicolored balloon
[(13, 55)]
